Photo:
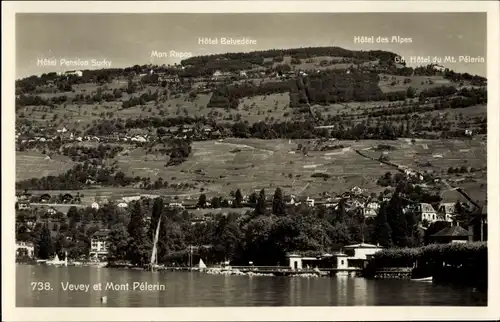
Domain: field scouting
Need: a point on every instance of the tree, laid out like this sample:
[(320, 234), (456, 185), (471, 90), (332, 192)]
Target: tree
[(139, 246), (339, 213), (118, 242), (253, 198), (387, 131), (382, 231), (278, 204), (60, 245), (216, 202), (260, 208), (258, 244), (45, 246), (202, 201), (410, 92), (172, 235), (416, 237), (238, 198), (397, 221), (73, 216), (227, 238), (462, 214)]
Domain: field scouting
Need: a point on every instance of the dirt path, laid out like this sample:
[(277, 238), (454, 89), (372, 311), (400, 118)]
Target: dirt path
[(245, 146)]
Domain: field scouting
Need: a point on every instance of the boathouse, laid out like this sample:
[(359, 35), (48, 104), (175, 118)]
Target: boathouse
[(350, 257), (298, 262)]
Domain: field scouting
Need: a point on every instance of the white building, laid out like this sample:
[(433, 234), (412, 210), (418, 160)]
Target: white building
[(352, 258), (371, 209), (425, 211), (122, 205), (357, 190), (78, 73), (99, 244), (446, 212), (25, 249), (51, 211), (290, 200), (310, 202), (23, 204), (131, 198), (176, 205), (438, 68), (360, 251)]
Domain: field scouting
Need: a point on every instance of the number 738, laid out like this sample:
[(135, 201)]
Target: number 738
[(41, 286)]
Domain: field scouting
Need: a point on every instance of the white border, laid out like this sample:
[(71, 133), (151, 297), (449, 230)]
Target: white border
[(11, 313)]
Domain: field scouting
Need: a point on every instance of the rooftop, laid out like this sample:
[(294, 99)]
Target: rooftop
[(101, 233), (454, 231), (362, 245)]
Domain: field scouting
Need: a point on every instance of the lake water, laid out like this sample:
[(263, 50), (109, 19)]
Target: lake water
[(194, 289)]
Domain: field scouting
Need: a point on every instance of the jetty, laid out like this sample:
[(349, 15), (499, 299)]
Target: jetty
[(267, 270), (286, 271)]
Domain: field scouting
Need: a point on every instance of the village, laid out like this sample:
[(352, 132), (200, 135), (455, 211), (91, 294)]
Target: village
[(53, 210)]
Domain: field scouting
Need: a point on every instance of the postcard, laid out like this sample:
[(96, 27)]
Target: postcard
[(250, 160)]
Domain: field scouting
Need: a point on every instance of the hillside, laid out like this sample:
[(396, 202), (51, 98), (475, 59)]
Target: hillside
[(167, 121)]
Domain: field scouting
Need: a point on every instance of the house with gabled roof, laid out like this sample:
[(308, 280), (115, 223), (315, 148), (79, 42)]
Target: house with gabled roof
[(425, 211), (446, 212), (290, 200), (453, 234), (370, 209)]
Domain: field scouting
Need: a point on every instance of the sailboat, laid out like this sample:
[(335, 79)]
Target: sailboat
[(201, 265), (154, 254), (56, 261)]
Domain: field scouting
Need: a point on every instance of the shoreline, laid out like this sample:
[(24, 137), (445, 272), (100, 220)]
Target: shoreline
[(210, 270)]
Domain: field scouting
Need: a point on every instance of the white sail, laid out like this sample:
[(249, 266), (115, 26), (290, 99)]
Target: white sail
[(201, 264), (154, 258), (55, 261)]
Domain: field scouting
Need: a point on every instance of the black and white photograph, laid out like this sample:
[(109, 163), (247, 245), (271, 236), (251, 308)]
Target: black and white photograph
[(190, 159)]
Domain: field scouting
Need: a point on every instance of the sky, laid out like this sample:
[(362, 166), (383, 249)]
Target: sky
[(129, 39)]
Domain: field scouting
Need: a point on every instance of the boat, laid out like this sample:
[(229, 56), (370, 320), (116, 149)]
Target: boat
[(96, 264), (424, 279), (57, 262), (201, 265), (153, 265)]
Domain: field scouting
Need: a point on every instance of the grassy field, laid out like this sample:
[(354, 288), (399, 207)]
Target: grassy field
[(34, 165), (81, 116), (418, 82), (251, 164)]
